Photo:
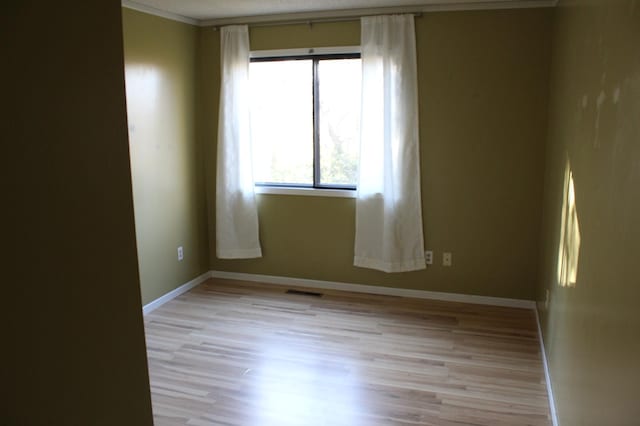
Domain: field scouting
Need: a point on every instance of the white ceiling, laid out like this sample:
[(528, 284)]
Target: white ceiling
[(218, 11)]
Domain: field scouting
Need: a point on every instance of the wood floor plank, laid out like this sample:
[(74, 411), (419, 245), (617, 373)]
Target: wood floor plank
[(238, 353)]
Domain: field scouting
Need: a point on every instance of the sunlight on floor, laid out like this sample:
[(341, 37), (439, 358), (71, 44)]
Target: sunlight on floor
[(293, 389)]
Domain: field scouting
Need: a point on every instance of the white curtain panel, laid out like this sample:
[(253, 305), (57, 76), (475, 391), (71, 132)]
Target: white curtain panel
[(236, 210), (388, 208)]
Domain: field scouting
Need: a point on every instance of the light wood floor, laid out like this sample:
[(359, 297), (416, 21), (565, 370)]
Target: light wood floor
[(237, 353)]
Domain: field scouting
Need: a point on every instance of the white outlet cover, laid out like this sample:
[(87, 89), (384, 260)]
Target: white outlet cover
[(446, 259), (428, 257)]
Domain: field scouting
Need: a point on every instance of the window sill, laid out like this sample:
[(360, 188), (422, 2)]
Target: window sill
[(313, 192)]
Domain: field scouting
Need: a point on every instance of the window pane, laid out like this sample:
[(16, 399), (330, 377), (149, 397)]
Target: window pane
[(339, 90), (282, 121)]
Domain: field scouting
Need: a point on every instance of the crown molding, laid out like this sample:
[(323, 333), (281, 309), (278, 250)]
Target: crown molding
[(157, 12), (341, 15)]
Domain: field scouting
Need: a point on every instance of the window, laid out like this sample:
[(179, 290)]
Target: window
[(305, 119)]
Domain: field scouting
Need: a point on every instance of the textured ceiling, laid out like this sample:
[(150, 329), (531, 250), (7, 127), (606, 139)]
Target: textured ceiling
[(204, 10)]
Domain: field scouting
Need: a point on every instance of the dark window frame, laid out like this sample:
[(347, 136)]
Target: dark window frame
[(315, 58)]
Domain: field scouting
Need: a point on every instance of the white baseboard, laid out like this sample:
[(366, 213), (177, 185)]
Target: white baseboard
[(333, 285), (387, 291), (547, 377), (175, 293)]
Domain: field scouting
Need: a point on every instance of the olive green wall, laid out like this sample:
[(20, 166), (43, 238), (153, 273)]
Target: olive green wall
[(166, 165), (591, 328), (483, 85), (73, 349)]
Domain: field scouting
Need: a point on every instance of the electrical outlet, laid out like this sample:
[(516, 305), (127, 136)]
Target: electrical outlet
[(180, 253), (446, 259), (428, 257)]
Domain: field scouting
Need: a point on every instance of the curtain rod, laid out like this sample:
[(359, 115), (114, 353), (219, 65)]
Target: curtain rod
[(324, 20), (274, 20), (355, 14)]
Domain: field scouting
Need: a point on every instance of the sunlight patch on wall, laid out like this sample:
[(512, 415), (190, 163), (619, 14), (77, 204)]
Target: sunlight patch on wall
[(143, 83), (147, 125), (569, 245)]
